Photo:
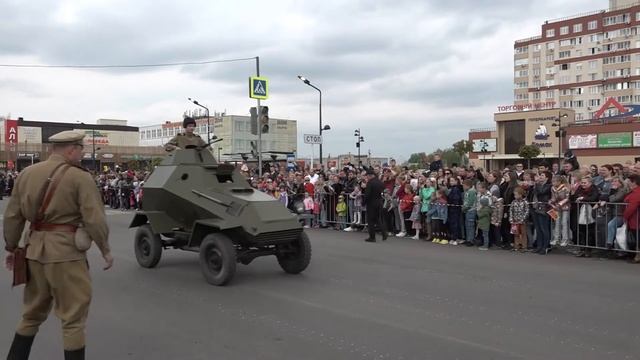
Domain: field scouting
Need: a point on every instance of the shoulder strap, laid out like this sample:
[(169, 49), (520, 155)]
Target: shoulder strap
[(43, 190), (53, 184)]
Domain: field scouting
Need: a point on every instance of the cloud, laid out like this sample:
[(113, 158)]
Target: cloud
[(403, 71)]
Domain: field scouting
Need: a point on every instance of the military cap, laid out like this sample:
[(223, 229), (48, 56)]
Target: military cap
[(188, 120), (67, 137)]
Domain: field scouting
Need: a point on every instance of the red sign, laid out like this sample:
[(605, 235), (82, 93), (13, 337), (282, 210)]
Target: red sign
[(10, 132), (609, 103)]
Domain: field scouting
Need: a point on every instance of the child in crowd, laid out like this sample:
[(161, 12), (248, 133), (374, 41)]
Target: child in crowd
[(406, 205), (469, 210), (317, 208), (484, 221), (518, 215), (356, 195), (426, 193), (308, 208), (438, 214), (341, 210), (560, 203), (415, 217), (283, 196)]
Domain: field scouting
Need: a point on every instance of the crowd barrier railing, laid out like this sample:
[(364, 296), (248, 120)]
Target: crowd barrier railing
[(587, 226)]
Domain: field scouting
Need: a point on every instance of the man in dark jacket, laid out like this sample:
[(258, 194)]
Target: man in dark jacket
[(373, 197)]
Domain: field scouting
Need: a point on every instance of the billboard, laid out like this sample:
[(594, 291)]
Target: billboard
[(490, 145), (614, 140), (636, 138), (587, 141), (10, 133)]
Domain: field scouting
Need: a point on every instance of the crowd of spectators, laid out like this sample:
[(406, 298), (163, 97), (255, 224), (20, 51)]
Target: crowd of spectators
[(537, 209)]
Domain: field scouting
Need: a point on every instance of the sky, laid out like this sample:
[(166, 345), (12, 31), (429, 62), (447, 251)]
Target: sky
[(412, 75)]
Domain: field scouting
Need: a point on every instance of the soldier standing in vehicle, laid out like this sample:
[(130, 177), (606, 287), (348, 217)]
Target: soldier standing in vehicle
[(182, 140), (58, 270)]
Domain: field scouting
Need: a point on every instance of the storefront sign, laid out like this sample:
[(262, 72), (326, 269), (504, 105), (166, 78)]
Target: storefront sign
[(614, 140), (29, 155), (489, 145), (529, 106), (99, 138), (588, 141), (10, 132), (636, 138)]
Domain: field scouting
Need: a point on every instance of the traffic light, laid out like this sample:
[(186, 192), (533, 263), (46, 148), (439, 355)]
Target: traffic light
[(264, 119), (254, 120)]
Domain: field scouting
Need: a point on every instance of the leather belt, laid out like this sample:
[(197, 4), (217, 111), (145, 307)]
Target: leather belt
[(54, 227)]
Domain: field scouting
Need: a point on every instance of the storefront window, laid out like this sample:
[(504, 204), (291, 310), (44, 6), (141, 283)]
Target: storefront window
[(513, 136)]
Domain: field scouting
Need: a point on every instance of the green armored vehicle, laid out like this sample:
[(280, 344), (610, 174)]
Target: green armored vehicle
[(191, 202)]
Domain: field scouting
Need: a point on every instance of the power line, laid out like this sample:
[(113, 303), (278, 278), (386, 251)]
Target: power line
[(125, 66)]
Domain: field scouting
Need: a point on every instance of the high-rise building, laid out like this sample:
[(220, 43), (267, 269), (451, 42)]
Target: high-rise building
[(579, 62)]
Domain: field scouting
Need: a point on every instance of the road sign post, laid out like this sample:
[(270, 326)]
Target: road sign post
[(259, 89)]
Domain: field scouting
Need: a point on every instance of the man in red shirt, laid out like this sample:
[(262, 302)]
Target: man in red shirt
[(632, 212)]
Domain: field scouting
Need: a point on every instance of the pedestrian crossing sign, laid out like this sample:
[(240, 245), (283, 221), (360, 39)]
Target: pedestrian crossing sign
[(258, 88)]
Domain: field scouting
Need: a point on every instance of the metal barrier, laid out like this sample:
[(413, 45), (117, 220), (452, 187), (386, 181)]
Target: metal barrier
[(602, 231), (600, 225)]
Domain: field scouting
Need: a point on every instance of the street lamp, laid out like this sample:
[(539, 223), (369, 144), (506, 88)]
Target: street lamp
[(359, 139), (207, 109), (560, 134), (326, 127)]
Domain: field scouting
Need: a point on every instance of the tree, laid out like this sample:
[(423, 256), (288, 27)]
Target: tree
[(529, 152), (462, 148), (417, 158)]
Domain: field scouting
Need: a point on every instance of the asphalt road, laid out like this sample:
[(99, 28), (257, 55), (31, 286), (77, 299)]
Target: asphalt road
[(399, 299)]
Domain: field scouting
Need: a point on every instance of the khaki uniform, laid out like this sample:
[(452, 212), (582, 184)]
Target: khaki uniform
[(58, 272), (182, 140)]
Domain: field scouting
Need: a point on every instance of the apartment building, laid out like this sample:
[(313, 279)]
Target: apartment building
[(581, 61)]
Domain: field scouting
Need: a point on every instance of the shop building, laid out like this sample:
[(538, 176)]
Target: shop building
[(107, 143), (611, 140)]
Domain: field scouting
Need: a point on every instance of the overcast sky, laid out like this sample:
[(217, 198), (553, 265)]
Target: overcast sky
[(414, 75)]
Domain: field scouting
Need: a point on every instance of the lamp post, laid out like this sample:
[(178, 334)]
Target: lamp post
[(560, 133), (208, 125), (326, 127), (359, 139)]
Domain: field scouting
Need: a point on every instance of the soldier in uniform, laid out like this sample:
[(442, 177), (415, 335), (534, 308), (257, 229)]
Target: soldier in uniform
[(58, 271), (181, 140), (373, 197)]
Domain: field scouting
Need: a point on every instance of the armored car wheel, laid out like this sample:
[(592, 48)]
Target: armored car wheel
[(148, 247), (217, 259), (295, 257)]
